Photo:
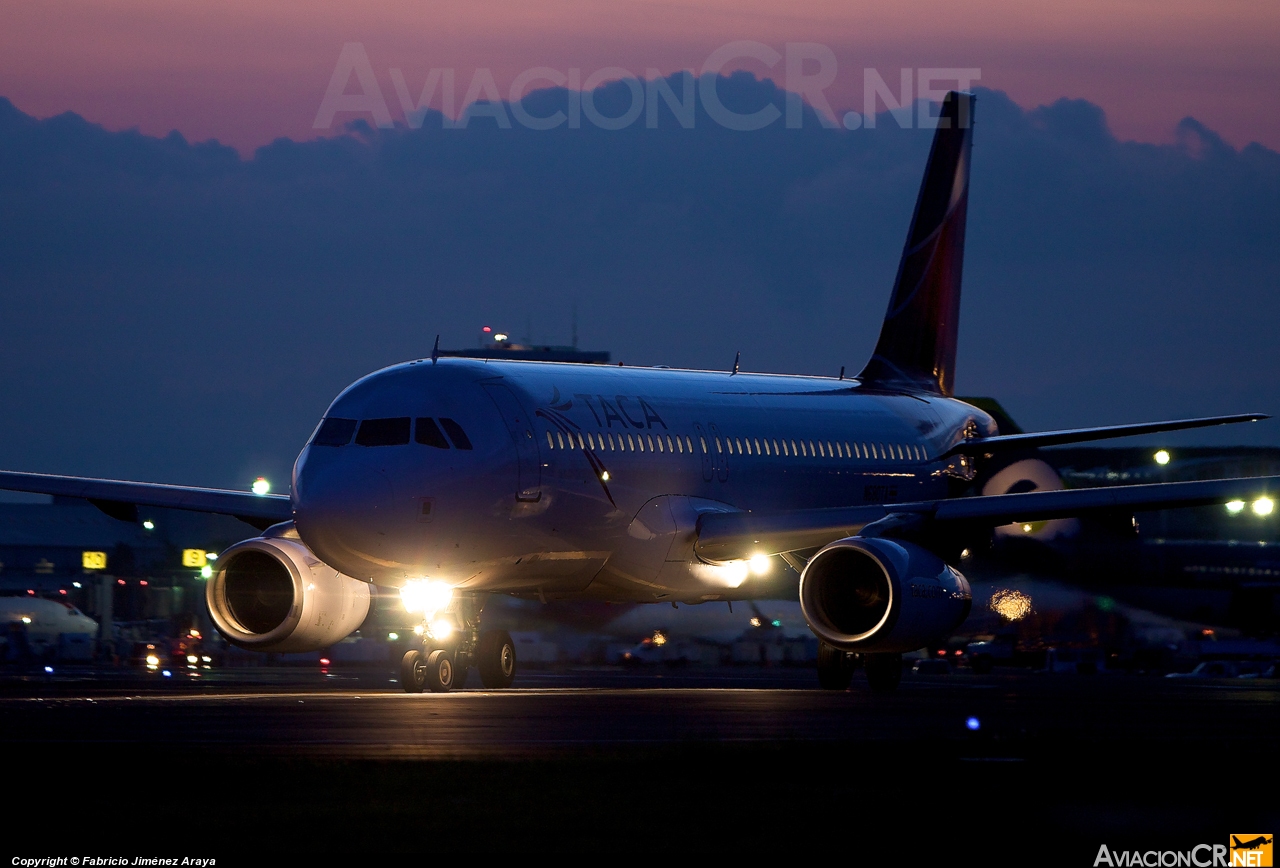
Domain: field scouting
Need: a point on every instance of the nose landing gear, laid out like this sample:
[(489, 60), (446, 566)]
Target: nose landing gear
[(451, 645)]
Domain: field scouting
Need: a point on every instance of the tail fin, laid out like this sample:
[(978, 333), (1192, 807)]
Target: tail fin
[(917, 347)]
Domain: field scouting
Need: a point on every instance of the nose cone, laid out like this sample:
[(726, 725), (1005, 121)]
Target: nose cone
[(346, 512)]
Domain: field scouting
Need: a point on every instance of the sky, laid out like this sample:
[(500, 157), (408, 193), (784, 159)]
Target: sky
[(181, 310), (248, 71)]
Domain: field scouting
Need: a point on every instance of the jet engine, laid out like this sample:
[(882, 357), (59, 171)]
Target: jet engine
[(881, 595), (272, 594)]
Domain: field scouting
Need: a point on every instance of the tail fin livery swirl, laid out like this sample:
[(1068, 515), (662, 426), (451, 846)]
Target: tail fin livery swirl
[(917, 346)]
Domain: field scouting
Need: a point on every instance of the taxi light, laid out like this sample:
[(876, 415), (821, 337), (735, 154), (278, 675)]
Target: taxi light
[(191, 658), (426, 595), (441, 629)]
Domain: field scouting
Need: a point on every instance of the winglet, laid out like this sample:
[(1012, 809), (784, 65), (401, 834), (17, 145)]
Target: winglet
[(917, 346), (435, 351)]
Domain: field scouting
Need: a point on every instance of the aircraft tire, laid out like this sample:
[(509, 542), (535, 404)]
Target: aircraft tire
[(439, 671), (413, 672), (496, 656), (835, 670), (884, 672)]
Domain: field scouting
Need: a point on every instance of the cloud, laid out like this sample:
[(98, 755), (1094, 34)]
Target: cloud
[(171, 311)]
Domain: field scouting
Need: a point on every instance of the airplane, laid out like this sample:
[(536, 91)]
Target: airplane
[(454, 478), (45, 622), (1252, 844)]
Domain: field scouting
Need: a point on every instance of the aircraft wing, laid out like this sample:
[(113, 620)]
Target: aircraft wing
[(980, 445), (737, 535), (120, 499)]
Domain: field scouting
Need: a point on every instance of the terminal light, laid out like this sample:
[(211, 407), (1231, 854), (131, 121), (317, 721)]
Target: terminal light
[(1263, 506), (1162, 457), (149, 524), (1235, 506), (261, 486), (206, 572)]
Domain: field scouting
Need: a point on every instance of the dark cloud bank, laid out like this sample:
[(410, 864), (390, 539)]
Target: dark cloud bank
[(171, 311)]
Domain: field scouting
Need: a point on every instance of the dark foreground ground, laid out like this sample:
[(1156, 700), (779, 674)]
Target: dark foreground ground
[(294, 768)]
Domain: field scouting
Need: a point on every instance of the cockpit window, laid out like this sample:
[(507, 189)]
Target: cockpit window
[(428, 433), (456, 434), (334, 432), (383, 432)]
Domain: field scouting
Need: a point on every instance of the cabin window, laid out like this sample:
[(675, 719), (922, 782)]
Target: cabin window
[(766, 446), (670, 445), (609, 438), (649, 438), (703, 441), (661, 448), (848, 451), (334, 432), (795, 450), (456, 434), (383, 432), (551, 441), (718, 449), (560, 439)]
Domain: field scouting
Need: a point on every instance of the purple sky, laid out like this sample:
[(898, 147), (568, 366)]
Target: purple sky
[(248, 72)]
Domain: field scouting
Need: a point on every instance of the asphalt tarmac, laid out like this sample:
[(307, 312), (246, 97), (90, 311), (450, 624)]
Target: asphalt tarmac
[(611, 761)]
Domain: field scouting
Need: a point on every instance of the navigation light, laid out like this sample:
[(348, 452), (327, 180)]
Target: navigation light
[(261, 486)]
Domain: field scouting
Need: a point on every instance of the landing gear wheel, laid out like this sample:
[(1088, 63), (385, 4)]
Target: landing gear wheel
[(835, 668), (496, 656), (440, 671), (413, 672), (884, 671)]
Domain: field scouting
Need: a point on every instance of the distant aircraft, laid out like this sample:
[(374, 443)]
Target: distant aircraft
[(45, 622), (1251, 844), (453, 478)]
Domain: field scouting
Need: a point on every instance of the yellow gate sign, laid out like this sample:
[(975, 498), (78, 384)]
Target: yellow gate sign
[(94, 560), (194, 558)]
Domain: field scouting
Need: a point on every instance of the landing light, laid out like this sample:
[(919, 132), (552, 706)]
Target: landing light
[(426, 595), (261, 486), (1026, 528), (441, 629), (1264, 506), (760, 564), (1162, 457), (604, 477), (1235, 506), (418, 630)]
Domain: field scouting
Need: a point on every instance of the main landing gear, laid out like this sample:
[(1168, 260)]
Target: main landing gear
[(836, 668), (452, 643)]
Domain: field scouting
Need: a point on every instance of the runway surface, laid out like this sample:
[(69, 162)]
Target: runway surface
[(607, 761)]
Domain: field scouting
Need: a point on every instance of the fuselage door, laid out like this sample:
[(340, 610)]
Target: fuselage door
[(704, 445), (520, 425), (720, 453)]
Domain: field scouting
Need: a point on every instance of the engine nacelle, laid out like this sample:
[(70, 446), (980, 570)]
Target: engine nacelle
[(272, 594), (881, 595)]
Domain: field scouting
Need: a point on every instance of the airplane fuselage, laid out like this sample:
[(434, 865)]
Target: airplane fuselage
[(587, 481)]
